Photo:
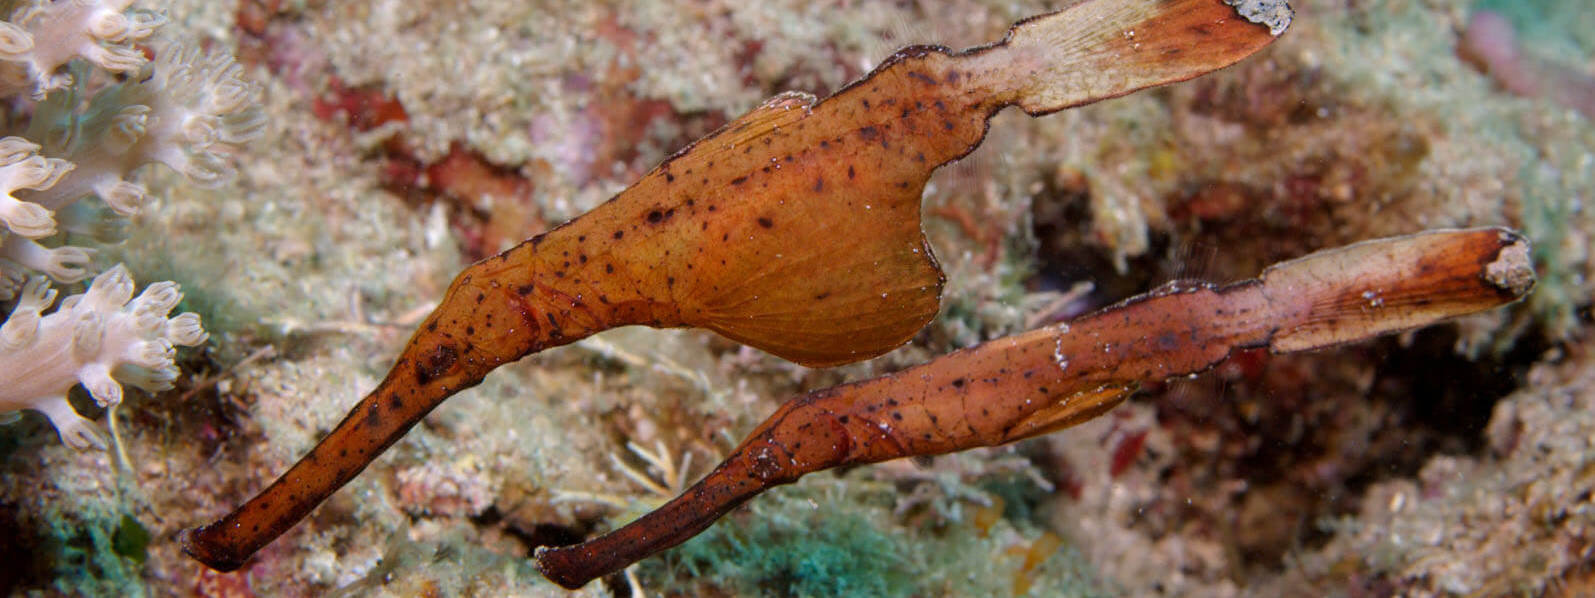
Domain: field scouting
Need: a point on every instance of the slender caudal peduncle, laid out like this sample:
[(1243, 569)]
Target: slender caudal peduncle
[(794, 229), (1059, 376)]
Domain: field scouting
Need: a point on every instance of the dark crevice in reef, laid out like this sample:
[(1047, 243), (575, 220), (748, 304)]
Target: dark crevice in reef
[(530, 535), (1065, 253), (1268, 446), (207, 416), (13, 542), (1448, 395), (1307, 435)]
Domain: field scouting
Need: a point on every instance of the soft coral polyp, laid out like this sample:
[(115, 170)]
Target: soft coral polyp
[(102, 339)]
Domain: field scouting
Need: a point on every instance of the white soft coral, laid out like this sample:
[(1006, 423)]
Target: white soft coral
[(187, 112), (102, 339), (42, 36), (21, 167), (192, 108)]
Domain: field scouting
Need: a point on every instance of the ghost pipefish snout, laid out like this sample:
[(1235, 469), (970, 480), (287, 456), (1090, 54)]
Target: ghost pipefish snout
[(1055, 377), (794, 229)]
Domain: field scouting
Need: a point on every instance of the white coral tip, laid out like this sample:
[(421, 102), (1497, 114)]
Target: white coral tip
[(110, 26), (130, 124), (146, 324), (11, 281), (142, 24), (110, 290), (200, 130), (151, 354), (158, 298), (186, 330), (81, 435), (15, 42), (230, 96), (36, 296), (36, 172), (44, 83), (26, 218), (75, 431), (151, 380), (115, 58), (243, 126), (207, 169), (29, 11), (16, 149), (124, 197), (21, 329), (67, 264), (54, 169), (105, 389)]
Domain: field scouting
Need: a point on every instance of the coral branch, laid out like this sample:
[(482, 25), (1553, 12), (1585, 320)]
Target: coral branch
[(44, 35), (103, 338), (192, 106), (21, 167)]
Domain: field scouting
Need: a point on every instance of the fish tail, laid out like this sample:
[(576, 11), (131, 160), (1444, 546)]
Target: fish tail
[(1098, 50)]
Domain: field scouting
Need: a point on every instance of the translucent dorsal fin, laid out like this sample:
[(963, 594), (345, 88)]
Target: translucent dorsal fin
[(780, 110)]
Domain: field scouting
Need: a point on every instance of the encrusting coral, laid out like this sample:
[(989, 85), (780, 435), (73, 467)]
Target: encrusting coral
[(102, 339)]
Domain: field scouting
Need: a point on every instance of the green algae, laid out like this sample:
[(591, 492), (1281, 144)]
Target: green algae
[(823, 537)]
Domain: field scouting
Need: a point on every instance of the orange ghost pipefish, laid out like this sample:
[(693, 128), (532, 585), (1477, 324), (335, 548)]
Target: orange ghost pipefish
[(1055, 377), (739, 232)]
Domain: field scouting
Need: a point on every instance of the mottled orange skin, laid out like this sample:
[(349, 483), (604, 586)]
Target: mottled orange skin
[(1059, 376), (795, 229)]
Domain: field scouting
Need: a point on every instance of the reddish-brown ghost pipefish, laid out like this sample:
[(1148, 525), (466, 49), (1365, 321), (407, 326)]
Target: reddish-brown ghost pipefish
[(1055, 377), (794, 229)]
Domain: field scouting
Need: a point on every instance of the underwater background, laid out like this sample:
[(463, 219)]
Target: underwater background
[(402, 141)]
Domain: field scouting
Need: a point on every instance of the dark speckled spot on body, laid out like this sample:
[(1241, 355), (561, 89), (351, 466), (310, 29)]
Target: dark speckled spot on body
[(436, 364)]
